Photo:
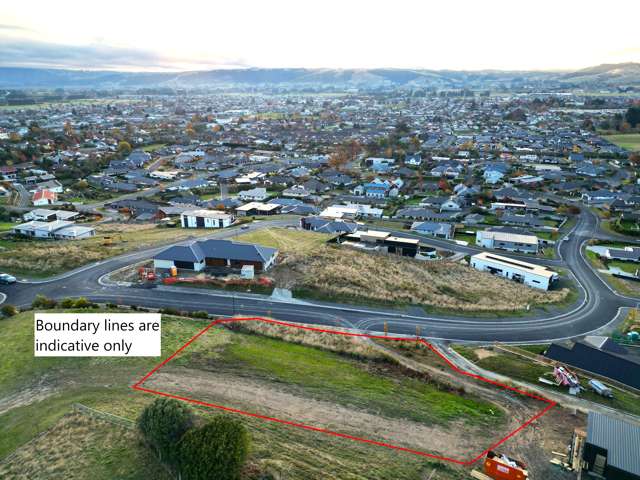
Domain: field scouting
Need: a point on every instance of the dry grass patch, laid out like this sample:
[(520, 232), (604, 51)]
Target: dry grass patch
[(48, 257), (312, 268), (79, 447)]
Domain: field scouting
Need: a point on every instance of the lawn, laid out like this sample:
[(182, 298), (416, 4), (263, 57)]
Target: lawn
[(43, 258), (313, 269), (629, 141), (153, 147), (103, 383)]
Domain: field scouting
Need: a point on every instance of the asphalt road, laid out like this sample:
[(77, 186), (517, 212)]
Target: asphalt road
[(596, 306)]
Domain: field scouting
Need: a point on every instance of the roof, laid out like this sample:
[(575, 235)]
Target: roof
[(509, 237), (199, 250), (620, 439), (206, 213), (512, 263), (44, 194)]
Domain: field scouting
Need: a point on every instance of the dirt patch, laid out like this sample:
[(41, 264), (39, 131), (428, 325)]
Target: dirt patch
[(27, 396), (484, 353), (268, 399)]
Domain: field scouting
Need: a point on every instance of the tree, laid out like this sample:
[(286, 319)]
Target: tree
[(217, 450), (124, 148), (9, 310), (163, 424), (633, 116)]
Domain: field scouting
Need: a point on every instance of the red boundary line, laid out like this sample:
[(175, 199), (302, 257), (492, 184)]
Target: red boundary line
[(550, 403)]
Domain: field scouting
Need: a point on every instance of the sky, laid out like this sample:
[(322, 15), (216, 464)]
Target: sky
[(141, 35)]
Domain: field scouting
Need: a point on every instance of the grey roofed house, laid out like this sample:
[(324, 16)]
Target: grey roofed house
[(427, 214), (288, 202), (629, 254), (324, 225), (200, 250), (435, 229), (527, 220), (617, 441)]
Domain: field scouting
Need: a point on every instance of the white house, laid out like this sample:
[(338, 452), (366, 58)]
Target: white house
[(255, 194), (535, 276), (205, 219), (512, 242)]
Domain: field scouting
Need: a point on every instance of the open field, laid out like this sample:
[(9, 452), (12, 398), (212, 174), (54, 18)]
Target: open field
[(629, 141), (349, 383), (78, 444), (18, 256), (313, 269)]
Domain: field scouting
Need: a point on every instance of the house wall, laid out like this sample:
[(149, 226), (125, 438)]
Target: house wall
[(512, 273), (485, 242)]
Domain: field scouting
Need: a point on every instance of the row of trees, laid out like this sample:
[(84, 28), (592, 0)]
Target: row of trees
[(217, 449)]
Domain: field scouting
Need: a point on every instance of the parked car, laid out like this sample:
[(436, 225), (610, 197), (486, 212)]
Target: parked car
[(6, 279)]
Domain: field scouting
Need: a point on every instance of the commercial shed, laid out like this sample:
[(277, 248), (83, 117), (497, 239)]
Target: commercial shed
[(532, 275)]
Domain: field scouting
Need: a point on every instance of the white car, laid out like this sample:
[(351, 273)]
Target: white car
[(7, 279)]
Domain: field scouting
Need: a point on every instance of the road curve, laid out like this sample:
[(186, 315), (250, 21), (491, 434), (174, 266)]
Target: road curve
[(597, 305)]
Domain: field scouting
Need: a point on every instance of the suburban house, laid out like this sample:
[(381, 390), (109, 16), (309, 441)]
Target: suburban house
[(535, 276), (380, 164), (494, 173), (434, 229), (57, 229), (379, 188), (385, 242), (205, 219), (513, 242), (351, 210), (328, 225), (44, 197), (201, 254), (46, 215), (255, 194), (626, 254), (258, 208), (611, 448)]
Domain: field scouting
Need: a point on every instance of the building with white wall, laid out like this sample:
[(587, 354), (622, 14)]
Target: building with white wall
[(535, 276), (205, 219), (512, 242)]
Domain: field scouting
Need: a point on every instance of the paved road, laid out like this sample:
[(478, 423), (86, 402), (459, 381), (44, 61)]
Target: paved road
[(596, 306)]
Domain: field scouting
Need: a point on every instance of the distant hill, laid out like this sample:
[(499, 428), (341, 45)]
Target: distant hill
[(609, 74), (617, 74)]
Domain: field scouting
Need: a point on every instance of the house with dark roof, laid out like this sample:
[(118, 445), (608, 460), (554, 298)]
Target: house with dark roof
[(201, 254), (327, 225)]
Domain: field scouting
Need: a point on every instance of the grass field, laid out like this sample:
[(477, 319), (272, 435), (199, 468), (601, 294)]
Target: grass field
[(313, 269), (629, 141), (78, 444), (37, 394), (42, 258)]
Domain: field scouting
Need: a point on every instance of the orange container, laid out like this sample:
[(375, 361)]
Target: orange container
[(500, 467)]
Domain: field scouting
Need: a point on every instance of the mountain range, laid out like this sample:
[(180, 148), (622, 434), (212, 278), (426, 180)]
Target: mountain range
[(609, 75)]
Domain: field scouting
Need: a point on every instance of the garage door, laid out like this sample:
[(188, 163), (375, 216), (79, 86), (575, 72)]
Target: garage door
[(185, 265)]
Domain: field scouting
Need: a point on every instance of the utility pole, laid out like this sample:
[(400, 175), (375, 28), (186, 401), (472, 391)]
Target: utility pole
[(386, 328)]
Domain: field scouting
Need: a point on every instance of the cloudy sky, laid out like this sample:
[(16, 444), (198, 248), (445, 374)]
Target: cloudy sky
[(433, 34)]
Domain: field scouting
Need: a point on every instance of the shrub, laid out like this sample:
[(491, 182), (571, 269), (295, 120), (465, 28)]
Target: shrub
[(67, 302), (170, 311), (199, 314), (9, 310), (82, 302), (217, 450), (43, 302), (163, 423)]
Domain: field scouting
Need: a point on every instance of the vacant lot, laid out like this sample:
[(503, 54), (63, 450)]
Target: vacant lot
[(42, 258), (36, 393), (311, 268), (630, 141)]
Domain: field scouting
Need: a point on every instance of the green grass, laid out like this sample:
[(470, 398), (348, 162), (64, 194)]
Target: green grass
[(6, 226), (629, 141), (334, 377), (104, 384), (153, 147)]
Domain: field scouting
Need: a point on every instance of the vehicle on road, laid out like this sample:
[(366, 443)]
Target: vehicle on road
[(7, 279)]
